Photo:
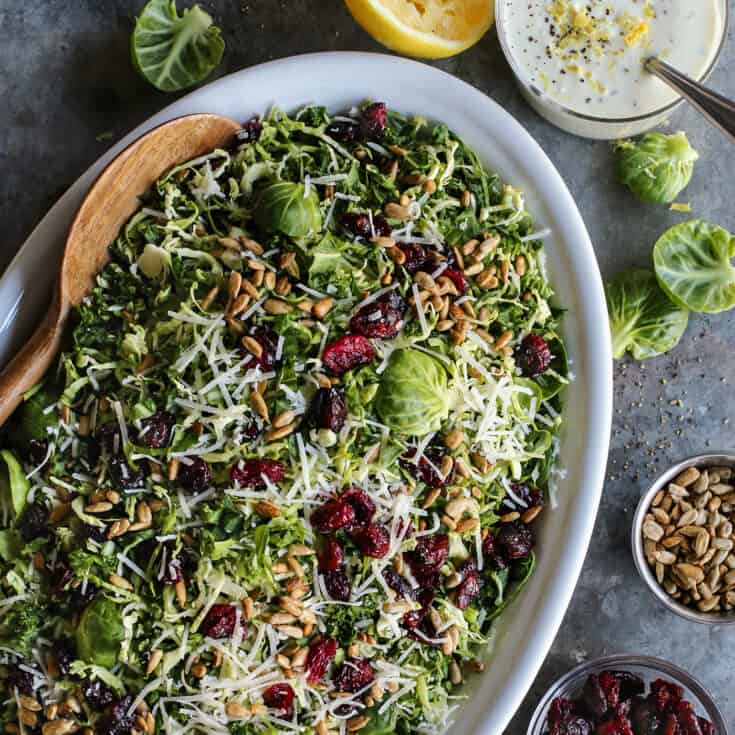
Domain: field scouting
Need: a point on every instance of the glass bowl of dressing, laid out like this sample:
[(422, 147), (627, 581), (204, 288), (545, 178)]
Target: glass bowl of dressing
[(580, 64)]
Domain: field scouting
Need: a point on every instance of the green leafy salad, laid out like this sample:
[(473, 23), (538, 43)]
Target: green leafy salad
[(284, 475)]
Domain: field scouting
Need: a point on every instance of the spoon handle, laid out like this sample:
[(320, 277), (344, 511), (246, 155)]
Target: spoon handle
[(717, 109), (29, 365)]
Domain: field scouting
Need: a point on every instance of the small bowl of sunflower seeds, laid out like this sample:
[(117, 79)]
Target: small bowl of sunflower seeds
[(684, 537)]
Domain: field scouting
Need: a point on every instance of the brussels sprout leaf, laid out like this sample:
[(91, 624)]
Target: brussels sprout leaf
[(643, 320), (692, 262), (174, 52)]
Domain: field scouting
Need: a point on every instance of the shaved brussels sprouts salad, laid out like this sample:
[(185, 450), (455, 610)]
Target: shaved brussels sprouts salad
[(284, 475)]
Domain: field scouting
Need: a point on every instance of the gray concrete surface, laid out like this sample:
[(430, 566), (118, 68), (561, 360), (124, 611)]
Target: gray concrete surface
[(67, 89)]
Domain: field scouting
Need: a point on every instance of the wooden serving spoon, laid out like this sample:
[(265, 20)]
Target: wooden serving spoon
[(109, 204)]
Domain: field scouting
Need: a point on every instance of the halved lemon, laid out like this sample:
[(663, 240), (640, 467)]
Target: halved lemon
[(431, 29)]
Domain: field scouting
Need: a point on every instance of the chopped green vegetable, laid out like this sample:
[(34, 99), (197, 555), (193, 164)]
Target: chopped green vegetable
[(286, 207), (21, 627), (656, 167), (643, 320), (13, 482), (248, 369), (692, 262), (175, 52), (413, 397), (100, 632)]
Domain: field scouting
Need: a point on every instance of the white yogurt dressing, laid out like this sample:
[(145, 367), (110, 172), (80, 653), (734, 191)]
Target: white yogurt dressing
[(588, 56)]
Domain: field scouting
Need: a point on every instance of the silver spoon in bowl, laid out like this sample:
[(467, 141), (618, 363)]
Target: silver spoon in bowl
[(719, 110)]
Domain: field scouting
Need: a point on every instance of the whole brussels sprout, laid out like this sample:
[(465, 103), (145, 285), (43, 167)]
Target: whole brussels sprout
[(413, 397), (656, 167), (286, 207), (100, 632)]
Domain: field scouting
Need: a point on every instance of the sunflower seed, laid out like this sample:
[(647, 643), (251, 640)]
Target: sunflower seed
[(687, 477), (652, 530)]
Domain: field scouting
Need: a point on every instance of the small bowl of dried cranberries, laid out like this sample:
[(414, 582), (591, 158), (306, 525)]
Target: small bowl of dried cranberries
[(627, 695)]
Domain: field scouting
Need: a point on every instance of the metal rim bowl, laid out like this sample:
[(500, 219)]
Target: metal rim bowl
[(723, 458), (647, 667)]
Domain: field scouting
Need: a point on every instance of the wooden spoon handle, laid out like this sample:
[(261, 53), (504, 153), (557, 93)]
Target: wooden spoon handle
[(29, 365), (111, 201)]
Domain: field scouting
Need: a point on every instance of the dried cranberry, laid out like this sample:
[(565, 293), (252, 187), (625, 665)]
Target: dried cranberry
[(361, 503), (343, 131), (356, 223), (408, 533), (98, 695), (21, 680), (469, 588), (398, 584), (34, 522), (670, 726), (37, 449), (117, 721), (95, 533), (531, 497), (533, 356), (172, 571), (688, 721), (107, 436), (617, 726), (515, 540), (373, 120), (666, 695), (61, 575), (250, 131), (280, 697), (561, 709), (333, 515), (418, 623), (431, 552), (123, 476), (328, 409), (630, 684), (251, 430), (372, 540), (268, 340), (643, 717), (492, 553), (381, 226), (416, 257), (219, 621), (348, 352), (79, 597), (594, 697), (157, 429), (458, 279), (382, 319), (65, 653), (320, 655), (194, 474), (330, 555), (338, 585), (428, 468), (180, 567), (353, 675), (249, 473), (574, 725), (610, 685)]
